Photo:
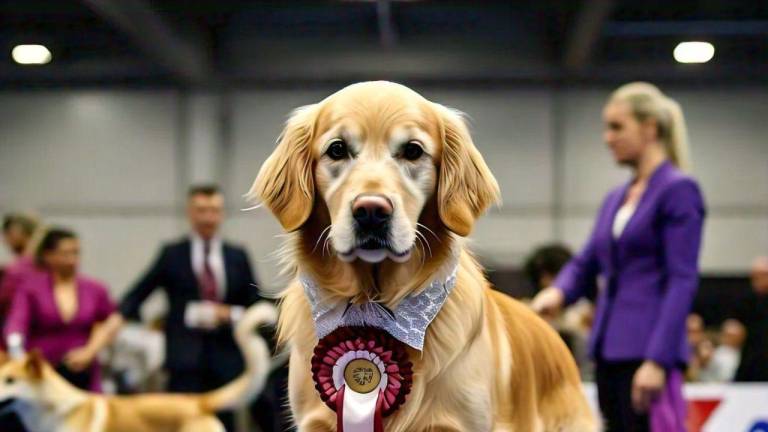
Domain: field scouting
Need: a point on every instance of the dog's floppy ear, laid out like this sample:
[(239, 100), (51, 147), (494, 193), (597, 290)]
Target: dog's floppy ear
[(466, 187), (285, 181), (33, 365)]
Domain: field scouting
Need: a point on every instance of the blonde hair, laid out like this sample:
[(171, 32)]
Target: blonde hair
[(648, 102)]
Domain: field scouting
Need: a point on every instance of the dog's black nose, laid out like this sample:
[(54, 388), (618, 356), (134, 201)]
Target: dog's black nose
[(371, 212)]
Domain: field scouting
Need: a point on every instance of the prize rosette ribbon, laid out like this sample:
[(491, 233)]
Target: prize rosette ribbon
[(363, 374)]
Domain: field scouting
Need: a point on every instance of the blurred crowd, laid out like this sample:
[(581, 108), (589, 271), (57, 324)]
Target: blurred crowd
[(737, 350)]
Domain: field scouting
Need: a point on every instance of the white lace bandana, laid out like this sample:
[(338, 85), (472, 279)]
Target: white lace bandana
[(407, 323)]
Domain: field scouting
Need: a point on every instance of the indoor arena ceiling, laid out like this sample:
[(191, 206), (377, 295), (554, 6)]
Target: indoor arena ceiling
[(238, 42)]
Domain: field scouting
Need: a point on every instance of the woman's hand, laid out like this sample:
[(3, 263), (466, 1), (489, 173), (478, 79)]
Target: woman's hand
[(549, 302), (79, 359), (647, 384)]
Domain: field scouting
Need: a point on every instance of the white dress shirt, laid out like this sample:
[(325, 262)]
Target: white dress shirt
[(622, 218), (216, 261)]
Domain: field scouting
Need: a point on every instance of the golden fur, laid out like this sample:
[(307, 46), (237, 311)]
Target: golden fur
[(488, 364), (48, 403)]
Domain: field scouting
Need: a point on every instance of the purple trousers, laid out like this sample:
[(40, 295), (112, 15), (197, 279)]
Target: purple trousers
[(669, 411)]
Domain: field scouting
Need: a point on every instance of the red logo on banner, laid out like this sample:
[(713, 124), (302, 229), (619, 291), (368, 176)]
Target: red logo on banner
[(699, 411)]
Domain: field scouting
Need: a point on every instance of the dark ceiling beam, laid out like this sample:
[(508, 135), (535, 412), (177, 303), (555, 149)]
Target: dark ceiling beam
[(629, 29), (682, 73), (179, 55), (586, 33)]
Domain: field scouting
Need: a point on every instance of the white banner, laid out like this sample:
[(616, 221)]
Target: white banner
[(719, 407)]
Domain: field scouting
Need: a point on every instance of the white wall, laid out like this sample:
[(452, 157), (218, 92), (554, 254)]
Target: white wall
[(102, 162), (114, 166)]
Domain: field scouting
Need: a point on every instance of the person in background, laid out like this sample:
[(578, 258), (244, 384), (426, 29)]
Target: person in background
[(645, 245), (18, 230), (753, 314), (208, 282), (541, 269), (544, 263), (700, 366), (62, 312), (718, 362), (728, 353), (694, 327)]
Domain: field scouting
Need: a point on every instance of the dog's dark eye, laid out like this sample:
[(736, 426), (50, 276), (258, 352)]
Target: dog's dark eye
[(412, 151), (9, 380), (338, 150)]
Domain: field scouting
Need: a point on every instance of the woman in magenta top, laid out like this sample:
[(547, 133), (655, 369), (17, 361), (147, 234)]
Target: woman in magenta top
[(60, 312)]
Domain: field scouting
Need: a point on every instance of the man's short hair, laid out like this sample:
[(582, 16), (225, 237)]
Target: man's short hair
[(26, 222), (207, 189), (548, 259)]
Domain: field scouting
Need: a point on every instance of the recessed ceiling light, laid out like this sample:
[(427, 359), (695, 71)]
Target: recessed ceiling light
[(694, 52), (31, 54)]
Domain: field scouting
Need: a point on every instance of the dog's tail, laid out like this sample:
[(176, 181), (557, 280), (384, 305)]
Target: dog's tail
[(257, 361)]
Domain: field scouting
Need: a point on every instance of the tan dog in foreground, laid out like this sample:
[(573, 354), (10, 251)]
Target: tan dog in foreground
[(47, 403), (379, 186)]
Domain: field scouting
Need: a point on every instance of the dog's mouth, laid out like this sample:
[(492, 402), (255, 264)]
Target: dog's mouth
[(375, 250)]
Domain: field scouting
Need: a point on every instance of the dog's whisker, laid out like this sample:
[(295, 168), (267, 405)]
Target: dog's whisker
[(257, 206), (327, 245), (423, 238), (418, 224), (423, 252), (320, 237)]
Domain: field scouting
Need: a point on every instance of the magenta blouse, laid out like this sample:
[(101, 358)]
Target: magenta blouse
[(35, 315)]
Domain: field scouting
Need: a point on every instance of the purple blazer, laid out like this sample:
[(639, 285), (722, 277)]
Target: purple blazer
[(35, 315), (649, 274)]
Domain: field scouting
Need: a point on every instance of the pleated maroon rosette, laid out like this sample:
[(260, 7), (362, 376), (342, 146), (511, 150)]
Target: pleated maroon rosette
[(363, 341)]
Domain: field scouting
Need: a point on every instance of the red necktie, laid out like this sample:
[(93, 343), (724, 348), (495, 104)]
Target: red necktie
[(208, 286)]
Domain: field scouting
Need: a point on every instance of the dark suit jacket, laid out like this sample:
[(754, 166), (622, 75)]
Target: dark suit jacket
[(189, 349), (754, 355)]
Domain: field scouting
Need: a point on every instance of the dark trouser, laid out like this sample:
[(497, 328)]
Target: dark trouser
[(614, 390), (10, 422), (81, 380), (270, 411), (199, 381)]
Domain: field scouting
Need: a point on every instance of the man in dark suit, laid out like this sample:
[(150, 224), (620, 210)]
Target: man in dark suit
[(208, 283), (753, 313)]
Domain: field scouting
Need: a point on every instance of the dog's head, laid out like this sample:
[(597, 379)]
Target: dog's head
[(21, 379), (379, 173)]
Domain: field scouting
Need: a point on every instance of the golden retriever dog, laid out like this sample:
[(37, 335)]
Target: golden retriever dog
[(46, 402), (379, 187)]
